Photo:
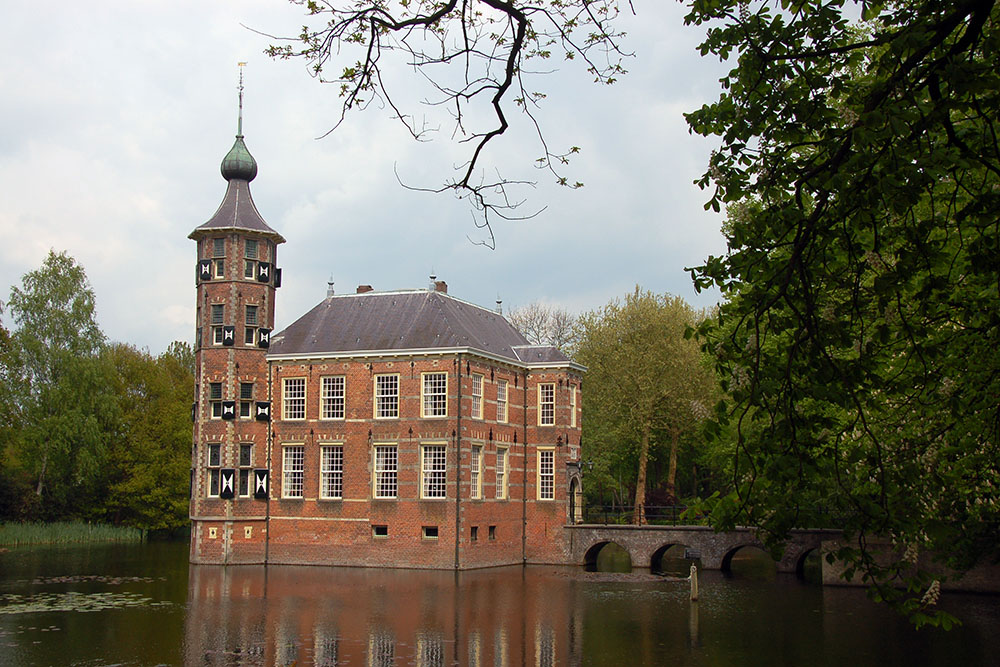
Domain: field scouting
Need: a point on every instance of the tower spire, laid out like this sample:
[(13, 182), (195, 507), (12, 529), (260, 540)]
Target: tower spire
[(239, 123)]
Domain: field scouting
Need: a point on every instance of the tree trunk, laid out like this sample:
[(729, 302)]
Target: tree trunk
[(639, 513), (675, 437), (41, 475)]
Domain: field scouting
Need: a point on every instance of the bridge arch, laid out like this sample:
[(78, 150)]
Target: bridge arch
[(590, 556), (727, 559), (675, 551)]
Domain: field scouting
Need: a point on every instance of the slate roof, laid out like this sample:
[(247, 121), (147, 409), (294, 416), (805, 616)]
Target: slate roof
[(411, 320), (237, 211)]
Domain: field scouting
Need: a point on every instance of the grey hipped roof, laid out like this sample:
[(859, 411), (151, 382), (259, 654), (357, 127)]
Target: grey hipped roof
[(413, 320)]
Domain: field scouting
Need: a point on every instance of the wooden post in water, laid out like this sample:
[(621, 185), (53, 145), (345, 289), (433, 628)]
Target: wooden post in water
[(694, 583)]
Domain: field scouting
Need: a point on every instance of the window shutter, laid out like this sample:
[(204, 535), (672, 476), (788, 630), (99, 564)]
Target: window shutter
[(229, 409), (227, 483), (263, 411), (277, 278), (205, 270), (263, 272), (260, 483), (263, 337), (228, 335)]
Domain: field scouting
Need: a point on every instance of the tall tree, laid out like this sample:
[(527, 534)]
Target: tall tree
[(148, 468), (546, 325), (861, 336), (59, 382), (645, 378)]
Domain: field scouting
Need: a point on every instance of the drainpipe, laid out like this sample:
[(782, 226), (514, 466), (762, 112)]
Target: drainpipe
[(270, 482), (458, 460), (524, 472)]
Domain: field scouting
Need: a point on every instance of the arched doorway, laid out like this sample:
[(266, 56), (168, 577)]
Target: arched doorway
[(575, 501)]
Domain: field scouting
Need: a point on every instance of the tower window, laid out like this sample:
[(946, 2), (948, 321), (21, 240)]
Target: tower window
[(214, 462), (250, 246), (246, 399), (218, 313), (215, 399), (219, 268), (219, 247), (246, 461)]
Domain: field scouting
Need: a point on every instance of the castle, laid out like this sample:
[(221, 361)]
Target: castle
[(380, 429)]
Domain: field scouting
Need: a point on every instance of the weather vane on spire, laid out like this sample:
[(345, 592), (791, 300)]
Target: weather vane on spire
[(239, 127)]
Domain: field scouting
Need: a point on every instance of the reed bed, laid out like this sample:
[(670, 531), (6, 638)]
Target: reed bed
[(21, 534)]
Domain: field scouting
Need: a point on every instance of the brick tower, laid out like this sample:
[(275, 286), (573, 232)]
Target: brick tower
[(236, 280)]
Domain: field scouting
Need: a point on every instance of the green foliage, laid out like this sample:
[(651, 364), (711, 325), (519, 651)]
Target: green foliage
[(860, 343), (149, 467), (59, 385), (88, 430), (647, 385)]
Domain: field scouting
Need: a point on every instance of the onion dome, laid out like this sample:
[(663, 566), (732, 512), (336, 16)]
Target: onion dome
[(238, 163)]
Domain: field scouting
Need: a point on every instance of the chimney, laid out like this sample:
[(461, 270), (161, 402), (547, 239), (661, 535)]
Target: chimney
[(440, 286), (364, 288)]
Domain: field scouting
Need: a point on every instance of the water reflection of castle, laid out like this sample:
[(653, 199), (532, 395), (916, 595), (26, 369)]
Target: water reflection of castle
[(287, 615)]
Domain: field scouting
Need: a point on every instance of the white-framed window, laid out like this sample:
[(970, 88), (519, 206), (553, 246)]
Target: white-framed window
[(572, 406), (476, 473), (501, 473), (477, 396), (293, 397), (502, 401), (246, 472), (435, 395), (217, 335), (246, 400), (331, 401), (293, 458), (249, 269), (219, 268), (251, 320), (387, 396), (331, 471), (546, 404), (213, 453), (215, 399), (385, 481), (433, 471), (546, 473)]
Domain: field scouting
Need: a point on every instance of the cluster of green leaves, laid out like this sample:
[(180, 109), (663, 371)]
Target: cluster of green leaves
[(89, 431), (649, 388), (476, 55), (860, 338)]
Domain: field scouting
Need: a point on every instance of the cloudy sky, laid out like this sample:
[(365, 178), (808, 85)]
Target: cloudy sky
[(115, 115)]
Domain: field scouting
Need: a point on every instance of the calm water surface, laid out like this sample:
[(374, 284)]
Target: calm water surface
[(144, 605)]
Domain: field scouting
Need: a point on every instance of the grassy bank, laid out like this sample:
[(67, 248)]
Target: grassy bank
[(21, 534)]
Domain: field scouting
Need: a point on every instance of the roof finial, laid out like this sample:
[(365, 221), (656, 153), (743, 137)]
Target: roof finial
[(329, 286), (239, 124)]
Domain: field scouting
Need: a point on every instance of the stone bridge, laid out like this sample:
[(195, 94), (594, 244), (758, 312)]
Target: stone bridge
[(646, 544)]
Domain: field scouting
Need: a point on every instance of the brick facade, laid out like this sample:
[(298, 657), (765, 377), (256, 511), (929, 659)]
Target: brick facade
[(435, 457)]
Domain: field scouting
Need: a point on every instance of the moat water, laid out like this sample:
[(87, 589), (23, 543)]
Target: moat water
[(145, 605)]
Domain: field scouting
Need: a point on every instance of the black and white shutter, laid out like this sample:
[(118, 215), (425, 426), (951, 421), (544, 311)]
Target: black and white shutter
[(229, 409), (263, 272), (263, 337), (260, 483), (205, 269), (227, 483), (277, 277), (263, 413), (228, 335)]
